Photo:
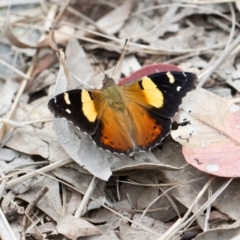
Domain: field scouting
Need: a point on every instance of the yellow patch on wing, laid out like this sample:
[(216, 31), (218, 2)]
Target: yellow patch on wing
[(151, 92), (147, 83), (66, 98), (170, 77), (88, 106)]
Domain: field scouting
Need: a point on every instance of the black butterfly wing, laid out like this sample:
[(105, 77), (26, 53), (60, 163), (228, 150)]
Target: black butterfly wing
[(81, 107), (161, 93)]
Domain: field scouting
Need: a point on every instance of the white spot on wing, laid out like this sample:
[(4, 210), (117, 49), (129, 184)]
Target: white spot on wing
[(68, 111), (184, 74), (170, 77), (179, 88), (66, 98)]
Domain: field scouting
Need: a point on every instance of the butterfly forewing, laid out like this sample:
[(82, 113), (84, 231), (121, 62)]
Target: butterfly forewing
[(81, 107), (162, 92)]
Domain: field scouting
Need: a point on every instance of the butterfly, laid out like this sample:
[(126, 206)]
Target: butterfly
[(126, 119)]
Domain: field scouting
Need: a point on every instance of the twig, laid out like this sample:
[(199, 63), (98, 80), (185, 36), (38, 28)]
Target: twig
[(183, 222), (227, 51), (155, 200), (19, 94), (235, 100), (136, 47), (64, 199), (206, 223), (21, 124), (38, 172), (3, 183), (14, 69), (172, 203), (80, 210), (174, 228), (6, 232), (118, 193), (82, 16), (62, 10), (187, 223), (33, 204)]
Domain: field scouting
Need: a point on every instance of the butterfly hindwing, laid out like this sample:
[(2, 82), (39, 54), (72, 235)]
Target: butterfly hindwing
[(114, 131), (149, 128)]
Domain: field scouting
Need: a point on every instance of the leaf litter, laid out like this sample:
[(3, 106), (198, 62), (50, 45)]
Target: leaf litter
[(167, 193)]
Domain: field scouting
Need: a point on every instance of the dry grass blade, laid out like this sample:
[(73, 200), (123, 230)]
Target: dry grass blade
[(43, 170), (25, 76), (80, 210), (5, 229), (230, 47), (20, 92), (183, 222)]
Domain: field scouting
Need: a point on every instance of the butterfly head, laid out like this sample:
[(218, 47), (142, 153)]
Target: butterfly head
[(107, 82)]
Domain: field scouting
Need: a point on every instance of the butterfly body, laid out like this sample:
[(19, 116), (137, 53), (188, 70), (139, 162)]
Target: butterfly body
[(133, 117)]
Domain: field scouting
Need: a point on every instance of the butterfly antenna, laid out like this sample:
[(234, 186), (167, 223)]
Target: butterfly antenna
[(94, 60), (119, 62)]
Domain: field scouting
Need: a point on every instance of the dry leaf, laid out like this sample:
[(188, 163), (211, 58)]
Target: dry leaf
[(35, 139), (7, 95), (146, 70), (193, 181), (210, 140), (8, 154), (107, 234), (113, 21), (149, 194), (112, 220), (79, 180), (221, 234), (150, 223), (8, 31), (217, 216), (38, 231), (128, 233), (73, 228), (50, 202)]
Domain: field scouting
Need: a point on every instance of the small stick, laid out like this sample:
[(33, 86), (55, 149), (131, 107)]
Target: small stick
[(79, 212), (32, 204), (5, 229), (3, 183)]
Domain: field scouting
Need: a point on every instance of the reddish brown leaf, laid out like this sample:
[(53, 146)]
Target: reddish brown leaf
[(211, 140), (154, 68)]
